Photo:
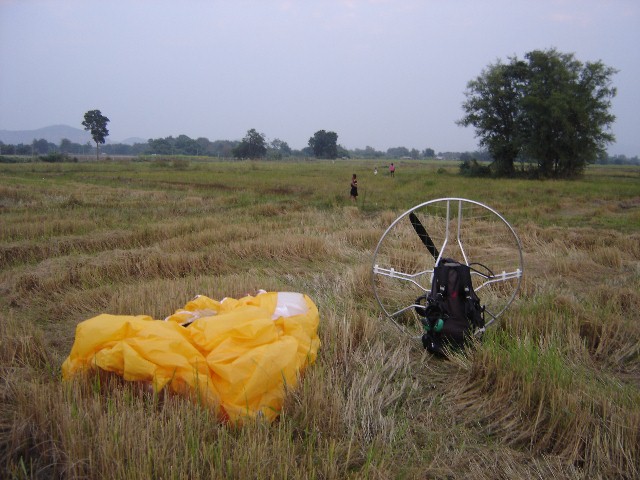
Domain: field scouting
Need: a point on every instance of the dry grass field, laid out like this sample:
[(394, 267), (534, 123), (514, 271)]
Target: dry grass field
[(553, 390)]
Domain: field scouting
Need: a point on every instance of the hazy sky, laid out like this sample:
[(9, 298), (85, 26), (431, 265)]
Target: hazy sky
[(383, 73)]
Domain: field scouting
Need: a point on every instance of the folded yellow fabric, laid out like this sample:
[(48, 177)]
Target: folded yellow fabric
[(235, 355)]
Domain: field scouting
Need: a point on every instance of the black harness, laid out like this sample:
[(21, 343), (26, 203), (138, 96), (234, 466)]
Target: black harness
[(451, 312)]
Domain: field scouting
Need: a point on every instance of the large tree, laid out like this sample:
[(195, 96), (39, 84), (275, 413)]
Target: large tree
[(567, 108), (549, 107), (493, 108), (253, 145), (96, 123), (324, 144), (279, 149)]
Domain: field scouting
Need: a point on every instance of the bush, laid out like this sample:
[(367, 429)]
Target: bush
[(54, 157), (180, 163), (471, 168), (10, 159)]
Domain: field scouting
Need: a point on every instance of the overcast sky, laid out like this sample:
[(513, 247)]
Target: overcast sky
[(383, 73)]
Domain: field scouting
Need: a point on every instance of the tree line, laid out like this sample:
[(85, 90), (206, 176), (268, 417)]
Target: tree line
[(253, 145), (275, 150), (547, 115)]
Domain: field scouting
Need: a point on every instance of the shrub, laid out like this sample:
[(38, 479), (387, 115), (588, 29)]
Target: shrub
[(11, 159), (54, 157), (180, 163), (471, 168)]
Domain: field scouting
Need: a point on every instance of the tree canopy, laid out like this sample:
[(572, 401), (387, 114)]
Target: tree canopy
[(253, 145), (96, 123), (324, 144), (548, 108), (278, 149)]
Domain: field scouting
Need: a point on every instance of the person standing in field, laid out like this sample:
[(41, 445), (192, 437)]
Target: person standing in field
[(392, 170), (354, 187)]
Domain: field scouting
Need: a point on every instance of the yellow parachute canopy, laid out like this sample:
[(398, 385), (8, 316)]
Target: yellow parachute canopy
[(235, 355)]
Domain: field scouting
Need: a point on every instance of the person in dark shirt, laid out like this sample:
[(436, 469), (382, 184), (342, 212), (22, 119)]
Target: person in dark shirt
[(354, 187)]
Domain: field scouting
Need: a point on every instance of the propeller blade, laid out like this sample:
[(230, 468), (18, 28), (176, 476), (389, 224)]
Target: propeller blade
[(424, 236)]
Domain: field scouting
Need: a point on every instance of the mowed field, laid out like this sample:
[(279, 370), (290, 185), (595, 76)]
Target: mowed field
[(553, 390)]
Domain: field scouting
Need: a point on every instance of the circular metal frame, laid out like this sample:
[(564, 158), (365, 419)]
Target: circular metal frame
[(468, 231)]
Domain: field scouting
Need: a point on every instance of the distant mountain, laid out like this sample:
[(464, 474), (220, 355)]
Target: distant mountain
[(53, 134)]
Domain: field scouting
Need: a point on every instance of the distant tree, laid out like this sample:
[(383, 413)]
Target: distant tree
[(161, 146), (41, 146), (368, 152), (186, 146), (428, 153), (96, 123), (223, 148), (123, 149), (306, 152), (278, 149), (7, 149), (618, 160), (343, 152), (66, 145), (253, 145), (20, 149), (324, 144), (397, 152), (549, 107), (204, 146)]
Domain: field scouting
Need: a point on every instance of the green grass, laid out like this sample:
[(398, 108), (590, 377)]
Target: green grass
[(552, 391)]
